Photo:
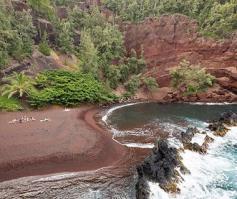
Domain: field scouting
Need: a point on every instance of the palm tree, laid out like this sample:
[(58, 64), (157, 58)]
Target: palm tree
[(19, 85)]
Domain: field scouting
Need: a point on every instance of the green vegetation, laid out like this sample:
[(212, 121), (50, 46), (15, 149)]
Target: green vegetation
[(133, 84), (88, 54), (68, 88), (96, 43), (42, 8), (150, 83), (18, 85), (65, 37), (44, 46), (100, 53), (106, 38), (216, 18), (9, 104), (16, 35), (191, 79)]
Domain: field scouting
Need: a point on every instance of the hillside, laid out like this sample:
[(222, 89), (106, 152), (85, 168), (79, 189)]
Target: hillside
[(130, 49)]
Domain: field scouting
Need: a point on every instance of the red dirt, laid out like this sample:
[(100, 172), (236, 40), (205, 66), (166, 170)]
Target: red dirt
[(71, 141)]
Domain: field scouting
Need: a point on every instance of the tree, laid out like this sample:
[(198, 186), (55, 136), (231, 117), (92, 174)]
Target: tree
[(88, 54), (65, 37), (19, 85), (16, 35), (42, 7), (191, 78), (216, 18), (24, 31), (44, 46)]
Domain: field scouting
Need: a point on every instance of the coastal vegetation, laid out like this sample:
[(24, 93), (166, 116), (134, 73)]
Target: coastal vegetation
[(19, 85), (68, 88), (191, 79), (55, 87), (7, 104)]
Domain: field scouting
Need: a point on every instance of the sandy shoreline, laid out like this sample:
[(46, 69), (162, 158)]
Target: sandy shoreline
[(71, 141)]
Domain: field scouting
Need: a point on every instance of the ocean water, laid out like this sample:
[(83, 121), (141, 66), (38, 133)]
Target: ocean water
[(213, 175), (138, 126)]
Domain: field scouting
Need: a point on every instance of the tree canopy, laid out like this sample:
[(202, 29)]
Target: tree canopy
[(216, 18)]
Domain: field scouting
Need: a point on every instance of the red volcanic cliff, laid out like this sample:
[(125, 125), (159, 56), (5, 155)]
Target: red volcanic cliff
[(169, 39)]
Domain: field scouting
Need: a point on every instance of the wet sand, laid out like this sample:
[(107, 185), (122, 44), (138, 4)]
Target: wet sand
[(71, 141)]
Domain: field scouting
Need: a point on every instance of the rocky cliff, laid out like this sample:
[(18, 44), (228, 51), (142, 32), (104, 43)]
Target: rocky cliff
[(165, 41)]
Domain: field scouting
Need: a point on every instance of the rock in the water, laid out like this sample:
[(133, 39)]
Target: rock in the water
[(142, 189), (218, 128), (194, 147), (187, 136), (161, 166), (229, 118), (206, 142)]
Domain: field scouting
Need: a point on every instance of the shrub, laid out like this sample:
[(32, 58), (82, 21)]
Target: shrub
[(191, 78), (150, 83), (18, 85), (113, 75), (133, 84), (9, 104), (68, 88), (124, 72)]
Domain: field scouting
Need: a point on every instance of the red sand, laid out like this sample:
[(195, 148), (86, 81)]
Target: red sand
[(71, 141)]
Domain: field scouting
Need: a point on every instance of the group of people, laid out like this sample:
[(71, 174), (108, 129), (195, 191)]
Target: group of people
[(25, 119)]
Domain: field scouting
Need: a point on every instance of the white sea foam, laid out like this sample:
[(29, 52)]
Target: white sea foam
[(140, 145), (110, 111), (157, 192), (211, 103), (207, 173)]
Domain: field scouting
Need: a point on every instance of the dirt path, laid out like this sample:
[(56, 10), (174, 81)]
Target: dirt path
[(70, 141)]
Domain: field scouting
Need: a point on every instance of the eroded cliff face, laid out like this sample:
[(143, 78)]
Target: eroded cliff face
[(170, 38), (165, 41)]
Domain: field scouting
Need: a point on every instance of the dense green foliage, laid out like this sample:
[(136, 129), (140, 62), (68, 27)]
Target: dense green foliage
[(42, 8), (9, 104), (150, 83), (16, 35), (217, 18), (18, 85), (68, 88), (106, 38), (191, 78), (88, 54), (133, 84), (100, 53)]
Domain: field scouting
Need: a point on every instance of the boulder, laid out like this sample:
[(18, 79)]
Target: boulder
[(142, 189), (226, 119), (206, 143), (194, 147), (186, 137), (229, 118), (218, 128), (161, 166)]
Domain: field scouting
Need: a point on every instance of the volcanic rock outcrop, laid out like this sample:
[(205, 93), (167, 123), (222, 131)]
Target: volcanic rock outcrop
[(220, 126), (159, 167)]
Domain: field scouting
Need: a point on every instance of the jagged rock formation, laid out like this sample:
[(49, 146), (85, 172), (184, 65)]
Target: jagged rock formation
[(159, 167), (220, 126)]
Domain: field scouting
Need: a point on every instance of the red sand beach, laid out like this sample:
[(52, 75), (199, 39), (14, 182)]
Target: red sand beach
[(70, 141)]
